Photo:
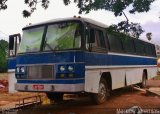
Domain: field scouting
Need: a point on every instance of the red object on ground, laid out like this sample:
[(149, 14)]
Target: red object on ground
[(3, 85)]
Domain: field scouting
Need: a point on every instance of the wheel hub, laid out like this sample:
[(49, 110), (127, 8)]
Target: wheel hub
[(102, 92)]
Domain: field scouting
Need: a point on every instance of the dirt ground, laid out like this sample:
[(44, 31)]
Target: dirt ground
[(5, 97), (121, 99)]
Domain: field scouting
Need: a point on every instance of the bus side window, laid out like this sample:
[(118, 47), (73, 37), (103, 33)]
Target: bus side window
[(140, 48), (128, 45), (100, 37), (153, 50), (91, 38), (148, 49), (115, 43), (95, 40)]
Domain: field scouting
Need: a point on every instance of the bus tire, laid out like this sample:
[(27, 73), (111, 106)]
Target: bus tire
[(56, 97), (103, 92), (144, 79)]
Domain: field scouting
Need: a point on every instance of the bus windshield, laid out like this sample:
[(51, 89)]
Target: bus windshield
[(62, 36), (31, 40), (59, 36)]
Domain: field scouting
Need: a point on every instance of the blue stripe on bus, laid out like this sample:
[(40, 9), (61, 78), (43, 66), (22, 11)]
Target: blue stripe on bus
[(11, 63), (105, 59), (87, 58), (52, 57), (71, 81)]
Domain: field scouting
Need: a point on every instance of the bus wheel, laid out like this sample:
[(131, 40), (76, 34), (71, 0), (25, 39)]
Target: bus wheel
[(56, 97), (103, 92), (144, 79)]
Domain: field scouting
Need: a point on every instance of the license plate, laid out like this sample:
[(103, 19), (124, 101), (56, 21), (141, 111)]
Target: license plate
[(38, 87)]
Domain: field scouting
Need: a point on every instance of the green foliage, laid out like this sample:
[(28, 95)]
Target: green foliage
[(149, 36), (32, 4), (26, 13), (116, 33), (131, 29), (116, 6), (3, 55), (3, 5), (141, 5)]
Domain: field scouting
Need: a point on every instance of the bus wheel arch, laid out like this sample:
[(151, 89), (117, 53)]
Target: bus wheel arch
[(108, 78), (105, 85)]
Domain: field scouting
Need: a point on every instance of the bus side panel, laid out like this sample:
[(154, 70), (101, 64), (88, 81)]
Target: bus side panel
[(118, 78), (134, 76), (12, 80), (152, 72), (92, 78), (11, 74)]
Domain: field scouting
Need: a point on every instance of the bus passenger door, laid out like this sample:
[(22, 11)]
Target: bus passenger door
[(14, 41)]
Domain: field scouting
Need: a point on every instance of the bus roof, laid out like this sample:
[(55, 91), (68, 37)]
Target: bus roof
[(70, 19), (88, 20)]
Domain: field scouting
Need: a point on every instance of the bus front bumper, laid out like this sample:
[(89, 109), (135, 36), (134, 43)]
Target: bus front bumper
[(50, 87)]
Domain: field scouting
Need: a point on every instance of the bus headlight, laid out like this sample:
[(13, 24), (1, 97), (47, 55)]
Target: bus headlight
[(70, 68), (18, 69), (62, 68), (22, 69)]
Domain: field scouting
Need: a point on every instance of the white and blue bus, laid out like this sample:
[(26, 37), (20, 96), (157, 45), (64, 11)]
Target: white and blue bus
[(77, 55)]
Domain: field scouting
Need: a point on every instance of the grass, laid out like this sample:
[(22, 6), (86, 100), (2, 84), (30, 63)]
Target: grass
[(157, 77), (3, 76)]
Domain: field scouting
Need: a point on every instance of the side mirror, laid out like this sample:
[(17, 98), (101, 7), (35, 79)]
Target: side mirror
[(11, 42), (91, 36)]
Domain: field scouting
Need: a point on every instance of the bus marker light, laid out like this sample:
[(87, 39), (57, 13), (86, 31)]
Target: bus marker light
[(61, 75), (70, 75)]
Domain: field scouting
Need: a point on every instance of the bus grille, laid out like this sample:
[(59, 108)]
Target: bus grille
[(40, 72)]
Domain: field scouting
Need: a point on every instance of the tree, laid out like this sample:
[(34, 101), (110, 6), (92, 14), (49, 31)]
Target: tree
[(130, 29), (3, 5), (116, 6), (149, 36), (3, 55), (32, 4)]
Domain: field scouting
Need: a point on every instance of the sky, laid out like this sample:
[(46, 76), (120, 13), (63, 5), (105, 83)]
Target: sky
[(12, 20)]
